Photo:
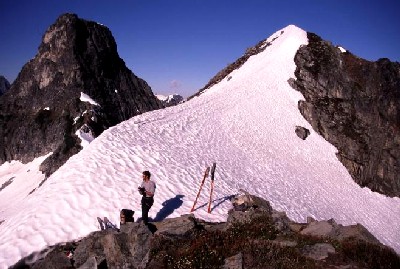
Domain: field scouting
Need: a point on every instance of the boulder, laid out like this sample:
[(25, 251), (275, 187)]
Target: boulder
[(302, 132), (329, 228), (176, 226), (318, 251), (247, 207), (118, 249), (356, 231), (319, 228), (234, 262)]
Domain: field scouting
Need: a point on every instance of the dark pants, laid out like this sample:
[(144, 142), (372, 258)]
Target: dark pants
[(147, 202)]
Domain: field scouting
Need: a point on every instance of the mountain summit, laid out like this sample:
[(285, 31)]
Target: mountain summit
[(4, 85), (73, 89)]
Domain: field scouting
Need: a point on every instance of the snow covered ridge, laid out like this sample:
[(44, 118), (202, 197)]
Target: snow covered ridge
[(86, 98), (261, 46), (245, 124), (342, 49)]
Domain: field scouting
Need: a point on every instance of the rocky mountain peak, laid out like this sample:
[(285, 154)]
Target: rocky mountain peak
[(43, 111), (170, 100), (4, 85)]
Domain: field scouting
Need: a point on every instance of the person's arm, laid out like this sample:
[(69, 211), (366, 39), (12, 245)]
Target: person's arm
[(142, 189)]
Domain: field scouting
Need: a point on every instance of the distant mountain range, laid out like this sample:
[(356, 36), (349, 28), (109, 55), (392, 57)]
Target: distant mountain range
[(170, 100)]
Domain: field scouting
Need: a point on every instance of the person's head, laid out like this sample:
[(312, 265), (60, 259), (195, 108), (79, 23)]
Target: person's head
[(146, 175)]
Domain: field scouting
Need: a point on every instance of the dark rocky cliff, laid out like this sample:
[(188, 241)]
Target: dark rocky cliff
[(4, 85), (43, 110), (355, 105)]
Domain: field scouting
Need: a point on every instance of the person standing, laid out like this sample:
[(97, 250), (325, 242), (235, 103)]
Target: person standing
[(147, 189)]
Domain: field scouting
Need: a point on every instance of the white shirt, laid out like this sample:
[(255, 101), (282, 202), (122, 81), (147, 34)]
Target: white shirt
[(149, 186)]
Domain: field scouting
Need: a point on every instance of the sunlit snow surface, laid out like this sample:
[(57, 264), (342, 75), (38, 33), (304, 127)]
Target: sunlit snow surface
[(245, 124)]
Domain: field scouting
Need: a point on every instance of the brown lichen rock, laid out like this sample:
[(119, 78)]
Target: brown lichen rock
[(331, 229)]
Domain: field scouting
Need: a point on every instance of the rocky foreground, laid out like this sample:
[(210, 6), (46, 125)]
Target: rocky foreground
[(254, 236)]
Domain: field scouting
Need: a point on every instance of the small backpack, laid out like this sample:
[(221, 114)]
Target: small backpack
[(126, 215)]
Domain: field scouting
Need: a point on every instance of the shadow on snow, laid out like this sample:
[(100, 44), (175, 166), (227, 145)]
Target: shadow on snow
[(217, 201), (169, 207)]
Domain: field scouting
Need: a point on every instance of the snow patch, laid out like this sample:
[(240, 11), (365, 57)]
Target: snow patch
[(85, 135), (17, 181), (86, 98), (76, 119)]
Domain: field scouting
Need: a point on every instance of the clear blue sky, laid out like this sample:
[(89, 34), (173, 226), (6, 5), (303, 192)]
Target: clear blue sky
[(178, 45)]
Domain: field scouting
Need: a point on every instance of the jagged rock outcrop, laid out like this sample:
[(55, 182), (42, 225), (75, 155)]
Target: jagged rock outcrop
[(46, 107), (170, 100), (4, 85), (355, 105), (255, 236)]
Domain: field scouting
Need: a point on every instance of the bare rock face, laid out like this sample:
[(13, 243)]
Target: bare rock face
[(4, 85), (355, 105), (43, 110)]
